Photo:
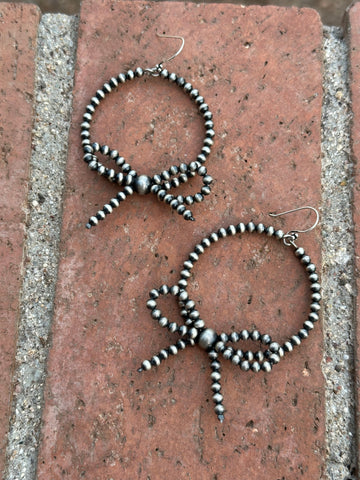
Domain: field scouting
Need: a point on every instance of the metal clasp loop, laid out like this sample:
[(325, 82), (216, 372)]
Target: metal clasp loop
[(155, 71), (290, 237)]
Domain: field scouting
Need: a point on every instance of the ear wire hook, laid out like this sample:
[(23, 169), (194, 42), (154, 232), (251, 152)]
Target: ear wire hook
[(162, 35), (155, 70), (292, 235)]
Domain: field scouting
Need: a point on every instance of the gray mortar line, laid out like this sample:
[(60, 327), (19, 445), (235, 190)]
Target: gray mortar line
[(338, 261), (55, 62)]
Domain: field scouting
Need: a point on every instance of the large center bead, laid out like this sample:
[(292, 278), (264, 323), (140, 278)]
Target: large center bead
[(142, 184), (207, 338)]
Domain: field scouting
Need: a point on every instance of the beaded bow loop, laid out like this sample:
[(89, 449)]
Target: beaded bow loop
[(124, 175), (193, 330)]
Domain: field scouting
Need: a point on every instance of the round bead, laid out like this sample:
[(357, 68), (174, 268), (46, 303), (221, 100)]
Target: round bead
[(216, 387), (219, 409), (245, 365), (163, 322), (217, 398), (142, 184), (146, 365), (215, 376), (235, 359), (207, 338), (266, 366)]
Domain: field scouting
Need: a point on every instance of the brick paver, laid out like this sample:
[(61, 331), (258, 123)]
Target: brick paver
[(354, 42), (260, 72), (18, 33)]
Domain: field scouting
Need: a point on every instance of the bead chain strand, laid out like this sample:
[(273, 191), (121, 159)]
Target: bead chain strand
[(194, 331), (159, 184)]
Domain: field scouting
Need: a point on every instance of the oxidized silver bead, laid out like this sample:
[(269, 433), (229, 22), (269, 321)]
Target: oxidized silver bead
[(207, 338), (142, 184)]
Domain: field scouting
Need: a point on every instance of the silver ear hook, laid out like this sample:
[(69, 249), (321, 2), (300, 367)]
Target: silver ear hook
[(292, 235), (154, 71), (162, 35)]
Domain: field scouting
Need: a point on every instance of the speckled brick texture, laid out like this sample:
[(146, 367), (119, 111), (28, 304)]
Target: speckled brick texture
[(259, 69), (354, 42), (18, 32)]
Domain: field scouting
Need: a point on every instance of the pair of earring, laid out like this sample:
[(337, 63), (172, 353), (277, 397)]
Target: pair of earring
[(193, 329)]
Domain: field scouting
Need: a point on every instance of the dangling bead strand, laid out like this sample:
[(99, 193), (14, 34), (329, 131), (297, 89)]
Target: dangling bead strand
[(159, 185)]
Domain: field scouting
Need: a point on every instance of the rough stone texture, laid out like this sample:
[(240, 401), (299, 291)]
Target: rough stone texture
[(260, 71), (18, 31), (354, 43), (338, 260), (56, 47)]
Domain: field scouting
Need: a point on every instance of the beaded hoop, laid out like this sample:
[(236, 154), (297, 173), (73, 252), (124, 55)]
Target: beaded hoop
[(193, 330), (159, 184)]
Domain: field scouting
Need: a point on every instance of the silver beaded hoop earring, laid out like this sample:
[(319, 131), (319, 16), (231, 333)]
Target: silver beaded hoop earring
[(193, 330), (162, 183)]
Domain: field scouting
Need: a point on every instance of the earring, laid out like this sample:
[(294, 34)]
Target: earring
[(162, 183), (193, 330)]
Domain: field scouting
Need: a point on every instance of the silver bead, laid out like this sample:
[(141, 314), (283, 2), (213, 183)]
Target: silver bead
[(142, 184), (270, 231), (207, 338), (274, 358), (255, 367), (213, 355), (234, 337), (193, 333), (308, 325), (216, 387), (172, 327), (156, 314), (266, 366), (217, 398), (288, 346), (183, 296), (151, 304), (163, 322), (173, 350), (190, 305), (215, 376), (174, 290), (274, 347), (295, 340), (146, 365), (231, 230), (245, 365), (155, 360), (228, 353), (215, 365), (241, 227), (163, 354), (235, 359), (219, 410), (199, 324)]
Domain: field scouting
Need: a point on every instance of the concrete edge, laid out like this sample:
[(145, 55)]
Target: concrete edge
[(338, 260), (54, 76)]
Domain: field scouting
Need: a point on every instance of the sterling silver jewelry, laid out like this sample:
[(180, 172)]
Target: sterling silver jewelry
[(193, 330), (125, 176)]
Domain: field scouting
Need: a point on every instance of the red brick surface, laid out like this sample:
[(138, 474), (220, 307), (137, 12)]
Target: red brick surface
[(18, 33), (354, 38), (260, 72)]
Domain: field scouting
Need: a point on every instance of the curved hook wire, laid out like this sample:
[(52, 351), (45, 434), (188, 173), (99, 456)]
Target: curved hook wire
[(162, 35), (296, 210)]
